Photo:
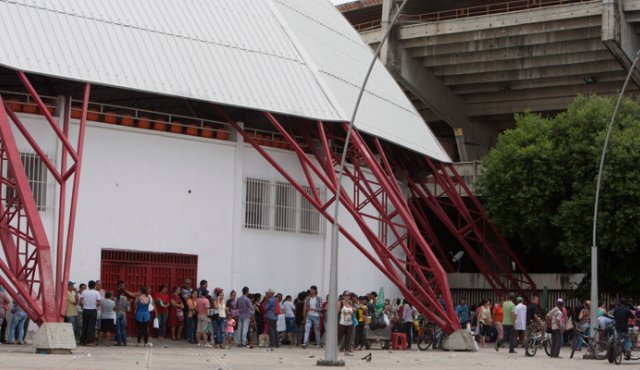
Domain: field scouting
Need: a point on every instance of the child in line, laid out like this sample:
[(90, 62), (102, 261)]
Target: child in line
[(228, 337)]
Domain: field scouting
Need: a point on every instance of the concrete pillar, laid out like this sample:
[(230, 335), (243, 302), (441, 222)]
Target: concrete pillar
[(619, 36)]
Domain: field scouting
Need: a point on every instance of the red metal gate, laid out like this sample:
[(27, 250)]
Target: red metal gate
[(145, 268)]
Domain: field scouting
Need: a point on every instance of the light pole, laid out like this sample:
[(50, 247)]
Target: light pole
[(331, 344), (594, 247)]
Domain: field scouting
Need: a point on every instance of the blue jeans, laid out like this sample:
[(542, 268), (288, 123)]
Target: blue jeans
[(315, 321), (190, 329), (623, 334), (121, 328), (17, 320), (73, 320), (243, 329), (219, 330), (291, 324), (162, 320)]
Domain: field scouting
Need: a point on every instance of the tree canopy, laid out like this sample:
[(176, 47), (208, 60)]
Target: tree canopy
[(539, 182)]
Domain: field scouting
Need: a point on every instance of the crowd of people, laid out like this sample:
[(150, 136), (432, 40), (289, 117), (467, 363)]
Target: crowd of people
[(512, 322), (210, 318)]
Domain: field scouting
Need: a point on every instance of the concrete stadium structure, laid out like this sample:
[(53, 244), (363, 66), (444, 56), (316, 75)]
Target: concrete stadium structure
[(470, 65)]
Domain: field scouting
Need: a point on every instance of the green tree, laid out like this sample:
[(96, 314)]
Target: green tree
[(538, 185)]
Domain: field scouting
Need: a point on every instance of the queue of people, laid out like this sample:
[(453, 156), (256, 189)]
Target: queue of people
[(210, 318)]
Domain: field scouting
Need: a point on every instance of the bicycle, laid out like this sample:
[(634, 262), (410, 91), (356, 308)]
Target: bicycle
[(537, 340), (598, 350), (615, 348), (428, 335)]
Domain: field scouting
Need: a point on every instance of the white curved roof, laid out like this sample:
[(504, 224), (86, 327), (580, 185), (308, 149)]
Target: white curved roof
[(297, 57)]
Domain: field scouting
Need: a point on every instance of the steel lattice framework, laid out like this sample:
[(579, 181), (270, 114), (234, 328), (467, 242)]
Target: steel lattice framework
[(402, 247), (27, 267), (392, 188)]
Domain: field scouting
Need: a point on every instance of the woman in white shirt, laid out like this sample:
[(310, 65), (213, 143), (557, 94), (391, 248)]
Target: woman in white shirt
[(345, 327)]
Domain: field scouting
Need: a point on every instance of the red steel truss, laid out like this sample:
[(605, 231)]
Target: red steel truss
[(440, 189), (27, 271), (377, 196)]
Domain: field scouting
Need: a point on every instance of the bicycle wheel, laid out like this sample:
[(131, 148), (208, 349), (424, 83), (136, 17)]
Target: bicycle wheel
[(600, 350), (611, 350), (547, 344), (574, 345), (425, 341), (531, 348), (619, 353)]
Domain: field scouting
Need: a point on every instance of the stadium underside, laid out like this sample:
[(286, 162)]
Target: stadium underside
[(392, 186)]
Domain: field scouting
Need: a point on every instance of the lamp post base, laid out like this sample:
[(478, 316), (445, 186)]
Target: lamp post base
[(335, 363)]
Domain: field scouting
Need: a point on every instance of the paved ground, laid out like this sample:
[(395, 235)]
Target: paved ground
[(183, 357)]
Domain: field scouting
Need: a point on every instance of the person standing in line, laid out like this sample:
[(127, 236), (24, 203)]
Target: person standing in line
[(107, 317), (17, 322), (509, 315), (485, 321), (360, 340), (407, 322), (345, 323), (185, 293), (312, 310), (244, 307), (258, 315), (498, 316), (102, 292), (191, 308), (533, 316), (462, 310), (142, 316), (521, 320), (4, 309), (81, 288), (203, 320), (220, 307), (162, 309), (90, 303), (555, 316), (290, 319), (272, 312), (121, 308), (176, 314), (71, 312)]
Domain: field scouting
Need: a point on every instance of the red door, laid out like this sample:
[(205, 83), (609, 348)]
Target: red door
[(145, 268)]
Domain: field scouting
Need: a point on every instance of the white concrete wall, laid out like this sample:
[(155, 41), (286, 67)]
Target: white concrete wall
[(159, 192)]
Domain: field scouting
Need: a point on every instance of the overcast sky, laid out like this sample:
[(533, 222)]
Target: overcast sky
[(341, 1)]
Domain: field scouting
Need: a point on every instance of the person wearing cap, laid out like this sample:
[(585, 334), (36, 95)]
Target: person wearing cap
[(521, 320), (71, 313), (555, 316)]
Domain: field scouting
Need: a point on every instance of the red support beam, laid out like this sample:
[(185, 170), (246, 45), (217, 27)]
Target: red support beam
[(30, 275)]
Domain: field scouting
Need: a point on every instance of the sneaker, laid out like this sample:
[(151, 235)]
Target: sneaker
[(348, 353), (304, 346), (208, 345), (149, 344)]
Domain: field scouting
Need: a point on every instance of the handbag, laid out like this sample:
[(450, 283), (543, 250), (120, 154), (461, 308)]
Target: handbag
[(354, 319), (156, 323)]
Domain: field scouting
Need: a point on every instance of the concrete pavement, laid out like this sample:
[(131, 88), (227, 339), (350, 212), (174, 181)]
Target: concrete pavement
[(169, 355)]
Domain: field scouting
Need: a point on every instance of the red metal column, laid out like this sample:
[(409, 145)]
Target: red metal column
[(30, 277)]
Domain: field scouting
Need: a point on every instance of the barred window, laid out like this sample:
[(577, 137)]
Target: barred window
[(277, 206), (285, 219), (310, 222), (257, 204), (36, 175)]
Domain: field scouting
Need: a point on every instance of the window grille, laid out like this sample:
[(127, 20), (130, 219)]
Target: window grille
[(310, 221), (285, 207), (36, 175), (277, 206), (257, 204)]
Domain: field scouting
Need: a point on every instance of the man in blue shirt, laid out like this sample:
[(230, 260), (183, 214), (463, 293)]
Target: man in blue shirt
[(462, 310), (272, 312)]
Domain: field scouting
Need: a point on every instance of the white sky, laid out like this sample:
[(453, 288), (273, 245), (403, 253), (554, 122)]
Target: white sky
[(341, 1)]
